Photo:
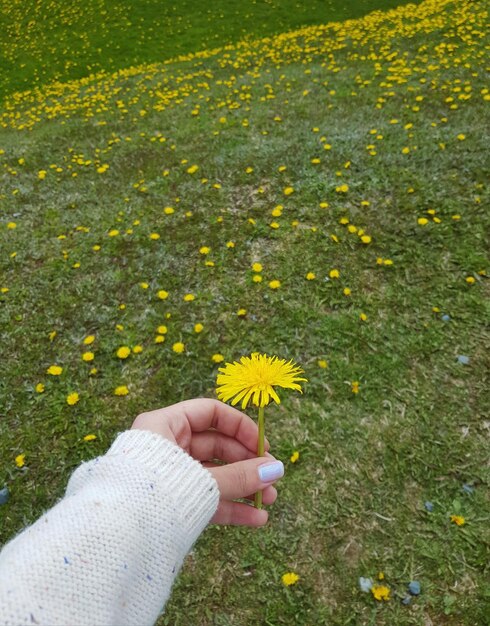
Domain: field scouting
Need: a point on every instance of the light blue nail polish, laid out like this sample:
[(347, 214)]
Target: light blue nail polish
[(271, 471)]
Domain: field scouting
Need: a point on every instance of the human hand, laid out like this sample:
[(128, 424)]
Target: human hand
[(211, 431)]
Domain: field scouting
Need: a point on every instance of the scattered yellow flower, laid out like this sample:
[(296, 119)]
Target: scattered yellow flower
[(470, 280), (275, 284), (72, 398), (162, 330), (39, 388), (288, 191), (178, 347), (355, 386), (123, 352), (380, 592), (54, 370), (422, 221), (162, 294), (334, 274), (290, 578), (198, 328), (217, 358), (137, 349), (189, 297), (459, 520), (20, 460), (89, 339), (88, 356), (294, 457), (310, 276), (122, 390), (89, 437)]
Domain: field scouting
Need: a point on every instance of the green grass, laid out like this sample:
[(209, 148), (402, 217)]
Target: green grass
[(47, 40), (417, 431)]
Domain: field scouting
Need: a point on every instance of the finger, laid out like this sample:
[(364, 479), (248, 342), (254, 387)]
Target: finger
[(269, 495), (205, 413), (213, 445), (239, 514), (238, 480)]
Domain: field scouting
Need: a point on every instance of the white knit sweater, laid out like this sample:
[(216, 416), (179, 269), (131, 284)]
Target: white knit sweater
[(109, 551)]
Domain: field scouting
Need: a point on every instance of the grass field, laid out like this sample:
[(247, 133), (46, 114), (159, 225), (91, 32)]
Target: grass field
[(48, 40), (351, 161)]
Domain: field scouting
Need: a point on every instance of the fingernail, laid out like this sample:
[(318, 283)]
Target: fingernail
[(271, 471)]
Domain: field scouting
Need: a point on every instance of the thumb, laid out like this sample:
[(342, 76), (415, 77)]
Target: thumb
[(240, 479)]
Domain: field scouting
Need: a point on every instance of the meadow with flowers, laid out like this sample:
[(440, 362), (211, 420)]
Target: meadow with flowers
[(320, 194)]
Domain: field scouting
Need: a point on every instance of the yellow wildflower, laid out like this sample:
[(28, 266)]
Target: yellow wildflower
[(254, 378), (294, 457), (123, 352), (122, 390), (20, 460), (178, 347), (380, 592), (459, 520), (290, 578), (54, 370), (72, 398)]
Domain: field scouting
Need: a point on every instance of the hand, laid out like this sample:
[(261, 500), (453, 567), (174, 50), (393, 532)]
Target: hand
[(210, 430)]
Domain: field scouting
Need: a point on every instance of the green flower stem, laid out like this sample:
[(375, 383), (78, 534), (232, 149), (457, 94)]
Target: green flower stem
[(260, 451)]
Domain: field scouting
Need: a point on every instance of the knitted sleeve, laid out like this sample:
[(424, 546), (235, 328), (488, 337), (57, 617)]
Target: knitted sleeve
[(109, 551)]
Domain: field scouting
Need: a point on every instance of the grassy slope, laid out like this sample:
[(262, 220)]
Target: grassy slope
[(46, 40), (415, 432)]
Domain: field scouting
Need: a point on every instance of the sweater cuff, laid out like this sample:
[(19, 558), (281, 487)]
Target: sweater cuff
[(192, 485)]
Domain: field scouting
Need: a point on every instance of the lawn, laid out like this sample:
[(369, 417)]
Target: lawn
[(350, 160), (48, 40)]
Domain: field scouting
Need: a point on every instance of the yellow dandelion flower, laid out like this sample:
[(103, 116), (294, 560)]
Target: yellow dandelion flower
[(380, 592), (204, 250), (342, 188), (241, 312), (159, 338), (189, 297), (366, 239), (254, 378), (257, 278), (39, 388), (290, 578), (178, 347), (470, 280), (310, 276), (89, 339), (54, 370), (192, 169), (363, 317), (288, 191), (168, 210), (137, 349), (355, 386), (113, 233), (88, 356), (217, 358), (154, 236), (198, 328), (257, 267), (122, 390), (347, 291), (422, 221), (459, 520), (20, 460), (72, 398), (230, 244), (334, 274), (322, 363), (123, 352), (89, 437), (294, 457), (162, 294)]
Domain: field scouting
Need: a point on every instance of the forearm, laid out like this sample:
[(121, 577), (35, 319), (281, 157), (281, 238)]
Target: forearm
[(109, 552)]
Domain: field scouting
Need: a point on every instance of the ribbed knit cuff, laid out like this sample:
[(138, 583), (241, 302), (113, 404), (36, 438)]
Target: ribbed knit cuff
[(190, 484)]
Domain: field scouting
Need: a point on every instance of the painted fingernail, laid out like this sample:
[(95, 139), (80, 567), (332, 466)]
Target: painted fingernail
[(271, 471)]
